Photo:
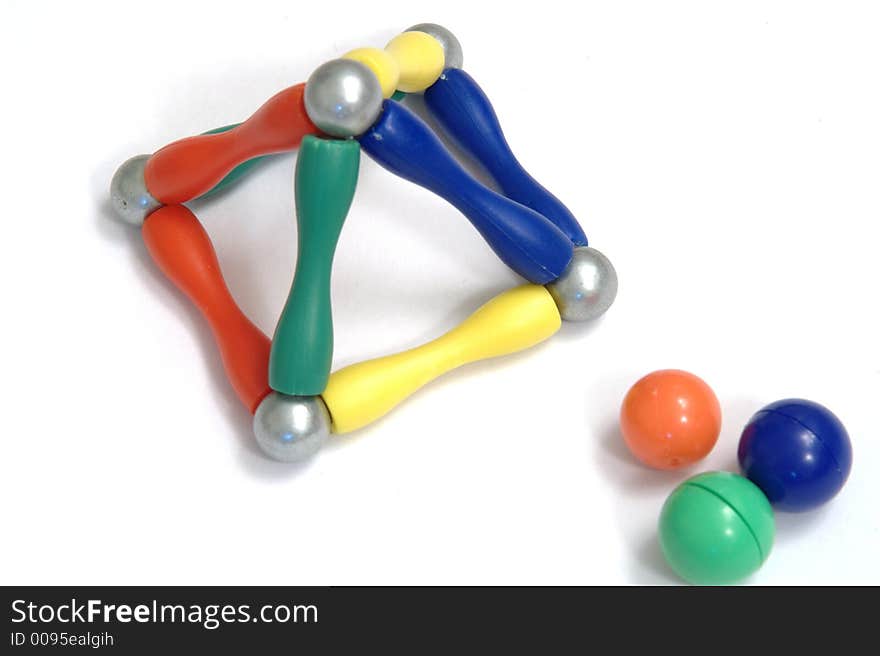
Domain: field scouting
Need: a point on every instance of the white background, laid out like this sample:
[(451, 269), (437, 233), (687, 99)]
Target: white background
[(725, 156)]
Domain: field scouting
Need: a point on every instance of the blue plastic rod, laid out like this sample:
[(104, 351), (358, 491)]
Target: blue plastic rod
[(466, 115), (524, 239)]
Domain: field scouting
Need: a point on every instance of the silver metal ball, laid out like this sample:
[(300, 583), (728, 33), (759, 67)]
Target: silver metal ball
[(587, 287), (343, 98), (128, 192), (454, 58), (291, 428)]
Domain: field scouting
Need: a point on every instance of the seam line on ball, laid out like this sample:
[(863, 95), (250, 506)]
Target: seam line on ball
[(814, 434), (736, 512)]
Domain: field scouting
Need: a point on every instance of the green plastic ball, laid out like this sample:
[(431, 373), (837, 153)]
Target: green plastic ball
[(716, 528)]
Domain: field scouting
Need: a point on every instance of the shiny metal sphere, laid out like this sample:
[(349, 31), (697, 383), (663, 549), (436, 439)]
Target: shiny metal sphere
[(128, 192), (343, 98), (451, 47), (587, 287), (291, 428)]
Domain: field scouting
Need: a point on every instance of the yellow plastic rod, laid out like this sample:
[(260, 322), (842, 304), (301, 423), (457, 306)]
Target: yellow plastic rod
[(419, 58), (383, 65), (510, 322)]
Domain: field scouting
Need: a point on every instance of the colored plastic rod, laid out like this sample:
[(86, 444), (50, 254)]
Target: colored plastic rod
[(524, 240), (245, 168), (238, 172), (190, 167), (182, 250), (419, 59), (302, 349), (512, 321), (465, 113)]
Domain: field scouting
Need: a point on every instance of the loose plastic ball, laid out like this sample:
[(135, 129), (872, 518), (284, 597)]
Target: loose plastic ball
[(797, 452), (716, 528), (670, 419)]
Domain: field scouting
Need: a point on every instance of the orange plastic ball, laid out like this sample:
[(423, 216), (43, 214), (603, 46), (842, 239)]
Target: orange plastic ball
[(670, 419)]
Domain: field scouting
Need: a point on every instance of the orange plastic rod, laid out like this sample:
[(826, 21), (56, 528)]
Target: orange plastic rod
[(190, 167), (183, 251)]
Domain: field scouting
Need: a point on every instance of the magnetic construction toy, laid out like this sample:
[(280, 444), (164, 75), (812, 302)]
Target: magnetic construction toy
[(346, 105)]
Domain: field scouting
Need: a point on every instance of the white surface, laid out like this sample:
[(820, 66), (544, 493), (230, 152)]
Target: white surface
[(724, 158)]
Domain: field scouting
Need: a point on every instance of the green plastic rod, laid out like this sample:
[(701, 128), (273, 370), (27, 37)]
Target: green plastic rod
[(238, 172), (302, 349)]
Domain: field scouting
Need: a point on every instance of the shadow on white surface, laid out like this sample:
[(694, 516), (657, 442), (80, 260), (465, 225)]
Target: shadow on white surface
[(792, 527), (639, 494), (648, 566), (574, 331)]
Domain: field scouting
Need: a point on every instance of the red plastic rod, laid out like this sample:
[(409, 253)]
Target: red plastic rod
[(183, 251), (190, 167)]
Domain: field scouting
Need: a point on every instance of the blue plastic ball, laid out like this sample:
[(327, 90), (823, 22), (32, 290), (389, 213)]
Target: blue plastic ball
[(798, 452)]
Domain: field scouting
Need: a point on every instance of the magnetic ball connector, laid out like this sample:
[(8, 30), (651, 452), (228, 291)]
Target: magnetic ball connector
[(716, 528), (291, 428), (128, 192), (343, 98), (587, 287), (798, 452), (453, 56)]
